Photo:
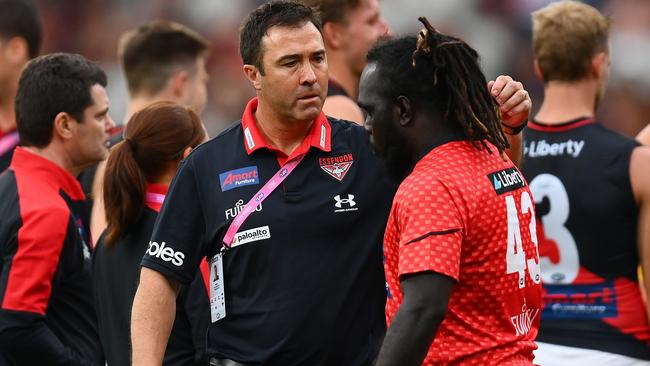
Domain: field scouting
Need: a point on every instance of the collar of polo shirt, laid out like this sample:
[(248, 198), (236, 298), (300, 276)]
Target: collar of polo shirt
[(319, 136)]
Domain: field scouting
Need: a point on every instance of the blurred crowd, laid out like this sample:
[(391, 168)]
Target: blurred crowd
[(499, 30)]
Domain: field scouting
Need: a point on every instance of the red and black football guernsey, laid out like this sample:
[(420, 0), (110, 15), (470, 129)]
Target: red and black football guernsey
[(587, 228), (116, 274), (46, 310)]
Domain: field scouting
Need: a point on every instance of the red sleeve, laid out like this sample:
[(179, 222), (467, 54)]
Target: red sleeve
[(40, 242), (431, 219)]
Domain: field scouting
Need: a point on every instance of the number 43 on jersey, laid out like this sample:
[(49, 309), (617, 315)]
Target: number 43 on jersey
[(516, 261)]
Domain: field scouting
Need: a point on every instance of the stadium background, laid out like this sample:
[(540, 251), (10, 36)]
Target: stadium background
[(498, 29)]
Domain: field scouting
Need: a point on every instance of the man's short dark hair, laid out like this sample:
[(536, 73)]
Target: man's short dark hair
[(151, 53), (19, 18), (333, 11), (49, 85), (281, 13)]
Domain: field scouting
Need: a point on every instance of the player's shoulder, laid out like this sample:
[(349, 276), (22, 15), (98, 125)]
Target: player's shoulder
[(343, 107)]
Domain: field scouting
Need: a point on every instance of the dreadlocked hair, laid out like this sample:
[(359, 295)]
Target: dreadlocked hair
[(443, 72)]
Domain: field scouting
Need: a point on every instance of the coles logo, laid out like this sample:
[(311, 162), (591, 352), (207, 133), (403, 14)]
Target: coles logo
[(337, 166), (238, 178), (165, 253)]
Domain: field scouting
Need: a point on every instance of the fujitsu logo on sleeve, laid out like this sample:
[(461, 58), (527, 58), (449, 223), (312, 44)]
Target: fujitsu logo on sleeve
[(165, 253)]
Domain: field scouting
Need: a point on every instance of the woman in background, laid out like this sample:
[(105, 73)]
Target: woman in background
[(138, 172)]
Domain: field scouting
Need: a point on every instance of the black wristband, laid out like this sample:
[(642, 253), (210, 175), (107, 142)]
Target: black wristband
[(509, 130)]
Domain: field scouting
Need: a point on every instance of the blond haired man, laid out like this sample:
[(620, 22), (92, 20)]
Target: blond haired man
[(592, 191)]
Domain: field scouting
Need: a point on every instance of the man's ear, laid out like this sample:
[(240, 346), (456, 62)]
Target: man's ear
[(403, 110), (16, 50), (186, 152), (333, 35), (253, 75), (63, 127), (599, 63), (179, 83)]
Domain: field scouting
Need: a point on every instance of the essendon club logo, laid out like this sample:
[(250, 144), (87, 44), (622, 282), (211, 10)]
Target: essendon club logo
[(337, 166)]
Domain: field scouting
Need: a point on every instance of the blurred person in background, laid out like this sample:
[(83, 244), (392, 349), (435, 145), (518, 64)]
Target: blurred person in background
[(461, 258), (162, 61), (138, 172), (47, 315), (20, 40), (350, 29), (592, 191), (291, 290)]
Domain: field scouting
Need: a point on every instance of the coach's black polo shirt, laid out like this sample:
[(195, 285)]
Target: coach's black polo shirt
[(304, 284)]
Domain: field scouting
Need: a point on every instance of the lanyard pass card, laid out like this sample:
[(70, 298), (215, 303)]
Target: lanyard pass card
[(217, 293)]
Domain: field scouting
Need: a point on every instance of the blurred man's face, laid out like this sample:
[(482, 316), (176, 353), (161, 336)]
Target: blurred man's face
[(13, 56), (294, 83), (364, 27), (91, 138), (381, 122), (197, 93)]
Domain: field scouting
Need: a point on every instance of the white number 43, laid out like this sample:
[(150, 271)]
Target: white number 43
[(516, 261)]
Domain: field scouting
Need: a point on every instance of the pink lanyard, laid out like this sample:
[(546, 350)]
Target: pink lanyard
[(151, 197), (258, 198), (8, 142)]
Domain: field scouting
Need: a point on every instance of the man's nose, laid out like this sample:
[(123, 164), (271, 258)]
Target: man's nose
[(110, 124), (308, 75)]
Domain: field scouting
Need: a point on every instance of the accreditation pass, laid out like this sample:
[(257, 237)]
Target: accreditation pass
[(217, 294)]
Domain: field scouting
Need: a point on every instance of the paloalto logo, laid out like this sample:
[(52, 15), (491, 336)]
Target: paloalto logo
[(165, 253)]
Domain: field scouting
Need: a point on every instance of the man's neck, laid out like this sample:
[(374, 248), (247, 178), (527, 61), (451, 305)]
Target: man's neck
[(344, 76), (7, 117), (58, 156), (567, 101), (138, 103), (282, 135)]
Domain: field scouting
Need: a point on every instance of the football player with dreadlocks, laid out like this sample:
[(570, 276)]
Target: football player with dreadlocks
[(461, 251)]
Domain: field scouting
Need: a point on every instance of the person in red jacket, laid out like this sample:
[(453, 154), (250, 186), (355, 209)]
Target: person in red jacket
[(46, 310)]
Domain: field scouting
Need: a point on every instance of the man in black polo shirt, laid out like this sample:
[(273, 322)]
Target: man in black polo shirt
[(303, 281)]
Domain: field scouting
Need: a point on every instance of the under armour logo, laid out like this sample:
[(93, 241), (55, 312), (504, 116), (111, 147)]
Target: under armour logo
[(348, 201)]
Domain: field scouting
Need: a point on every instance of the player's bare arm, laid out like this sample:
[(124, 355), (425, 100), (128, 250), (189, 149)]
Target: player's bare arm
[(152, 317), (515, 106), (640, 179), (342, 107), (414, 327)]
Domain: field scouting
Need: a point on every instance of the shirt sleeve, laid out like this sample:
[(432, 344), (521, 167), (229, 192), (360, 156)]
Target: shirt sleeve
[(29, 263), (178, 242), (431, 221)]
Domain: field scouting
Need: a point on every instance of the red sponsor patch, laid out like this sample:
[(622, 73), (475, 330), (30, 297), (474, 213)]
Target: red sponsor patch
[(337, 166)]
